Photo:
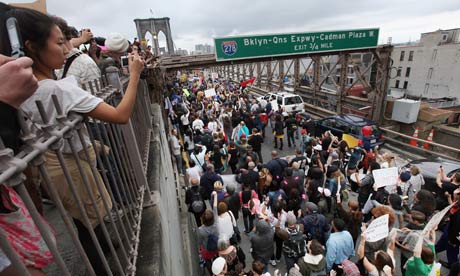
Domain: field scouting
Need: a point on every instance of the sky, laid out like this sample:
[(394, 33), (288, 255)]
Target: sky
[(197, 21)]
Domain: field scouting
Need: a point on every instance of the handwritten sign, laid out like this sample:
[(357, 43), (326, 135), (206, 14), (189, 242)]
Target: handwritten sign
[(435, 220), (214, 76), (378, 229), (210, 93), (385, 177)]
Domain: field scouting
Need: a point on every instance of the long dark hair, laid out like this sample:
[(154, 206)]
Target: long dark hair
[(34, 27)]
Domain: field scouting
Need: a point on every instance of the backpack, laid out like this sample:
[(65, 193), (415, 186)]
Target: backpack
[(296, 246), (211, 243), (315, 231), (197, 204)]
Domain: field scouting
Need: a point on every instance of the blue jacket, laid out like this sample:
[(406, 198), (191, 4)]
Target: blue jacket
[(340, 247)]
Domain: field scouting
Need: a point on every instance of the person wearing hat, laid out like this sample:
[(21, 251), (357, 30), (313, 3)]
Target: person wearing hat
[(234, 256), (262, 241), (293, 249), (305, 139), (233, 201), (117, 46), (315, 224), (219, 267)]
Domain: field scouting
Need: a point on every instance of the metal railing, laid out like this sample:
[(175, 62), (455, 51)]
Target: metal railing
[(119, 176), (436, 149)]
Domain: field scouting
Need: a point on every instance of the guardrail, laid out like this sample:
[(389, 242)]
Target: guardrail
[(431, 143), (119, 177)]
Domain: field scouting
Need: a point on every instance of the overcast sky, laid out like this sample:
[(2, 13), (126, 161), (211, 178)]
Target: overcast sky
[(197, 22)]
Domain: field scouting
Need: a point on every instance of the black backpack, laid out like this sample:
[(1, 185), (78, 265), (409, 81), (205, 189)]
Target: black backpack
[(296, 246), (211, 244), (315, 230), (197, 204)]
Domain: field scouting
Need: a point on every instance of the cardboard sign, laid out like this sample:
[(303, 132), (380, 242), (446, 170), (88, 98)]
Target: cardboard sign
[(385, 177), (210, 93), (435, 220), (351, 141), (378, 229)]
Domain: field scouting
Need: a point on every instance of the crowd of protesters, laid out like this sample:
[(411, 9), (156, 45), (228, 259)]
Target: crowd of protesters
[(54, 51), (297, 207)]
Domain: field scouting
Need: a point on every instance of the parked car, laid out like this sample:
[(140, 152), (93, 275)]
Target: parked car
[(288, 102), (350, 124), (429, 169)]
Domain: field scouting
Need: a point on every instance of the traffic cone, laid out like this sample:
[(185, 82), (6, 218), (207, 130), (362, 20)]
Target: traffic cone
[(412, 141), (429, 139)]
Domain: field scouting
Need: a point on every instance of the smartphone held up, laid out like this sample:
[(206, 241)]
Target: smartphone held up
[(14, 36)]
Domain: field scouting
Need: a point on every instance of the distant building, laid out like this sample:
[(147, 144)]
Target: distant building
[(181, 52), (201, 49), (430, 68)]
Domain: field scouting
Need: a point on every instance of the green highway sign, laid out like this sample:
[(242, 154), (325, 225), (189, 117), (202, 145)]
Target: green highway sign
[(242, 47)]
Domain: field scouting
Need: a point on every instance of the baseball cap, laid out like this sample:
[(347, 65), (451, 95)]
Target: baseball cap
[(218, 266), (115, 42)]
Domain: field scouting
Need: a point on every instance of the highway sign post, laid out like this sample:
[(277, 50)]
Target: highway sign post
[(244, 47)]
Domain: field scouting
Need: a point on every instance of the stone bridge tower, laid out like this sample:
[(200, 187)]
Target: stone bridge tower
[(155, 26)]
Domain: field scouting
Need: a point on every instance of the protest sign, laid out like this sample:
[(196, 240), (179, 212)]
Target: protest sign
[(385, 177), (378, 229), (186, 92), (214, 76), (435, 220), (210, 93)]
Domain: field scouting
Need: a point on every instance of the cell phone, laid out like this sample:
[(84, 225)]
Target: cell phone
[(17, 49), (124, 61)]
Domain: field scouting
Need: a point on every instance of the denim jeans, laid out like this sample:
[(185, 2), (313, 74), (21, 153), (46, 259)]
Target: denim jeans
[(443, 244)]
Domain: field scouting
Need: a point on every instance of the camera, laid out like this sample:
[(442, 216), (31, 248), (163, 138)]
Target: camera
[(124, 61)]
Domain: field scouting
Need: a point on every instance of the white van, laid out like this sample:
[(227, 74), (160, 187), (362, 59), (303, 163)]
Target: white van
[(288, 102)]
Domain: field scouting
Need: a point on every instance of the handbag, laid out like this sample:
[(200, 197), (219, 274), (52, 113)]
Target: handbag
[(236, 237)]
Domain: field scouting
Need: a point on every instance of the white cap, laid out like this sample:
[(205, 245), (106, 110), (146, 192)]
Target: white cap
[(218, 266), (318, 147), (115, 42)]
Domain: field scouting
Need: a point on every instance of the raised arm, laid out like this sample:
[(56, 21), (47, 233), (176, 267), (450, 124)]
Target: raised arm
[(418, 247), (122, 113)]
